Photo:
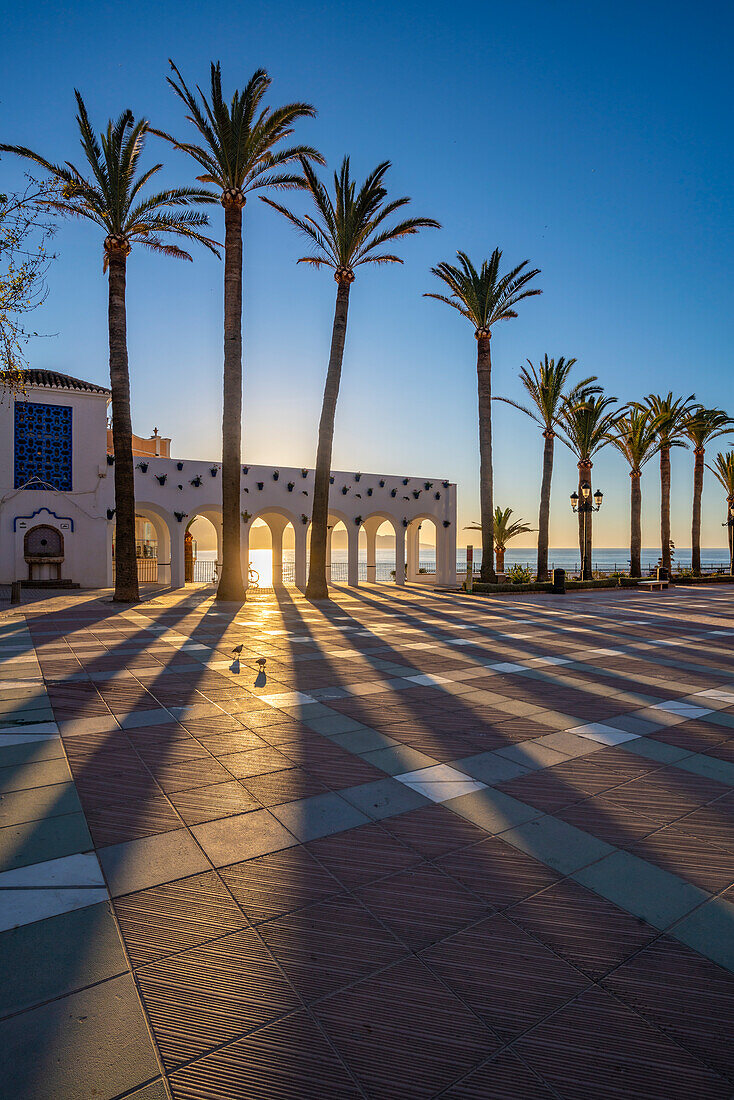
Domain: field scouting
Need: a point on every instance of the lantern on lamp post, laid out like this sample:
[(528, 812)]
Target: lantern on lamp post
[(583, 505)]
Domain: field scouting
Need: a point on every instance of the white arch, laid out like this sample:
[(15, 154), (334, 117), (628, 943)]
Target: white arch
[(277, 519), (164, 525), (371, 524)]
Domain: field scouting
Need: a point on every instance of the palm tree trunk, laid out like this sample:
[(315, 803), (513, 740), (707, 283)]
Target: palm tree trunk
[(317, 588), (665, 506), (486, 480), (230, 585), (500, 553), (696, 525), (126, 565), (730, 535), (635, 524), (544, 514)]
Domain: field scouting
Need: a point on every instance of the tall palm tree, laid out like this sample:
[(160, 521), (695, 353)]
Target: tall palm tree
[(344, 233), (584, 425), (723, 471), (545, 385), (700, 427), (240, 153), (670, 414), (505, 529), (485, 297), (635, 436), (113, 198)]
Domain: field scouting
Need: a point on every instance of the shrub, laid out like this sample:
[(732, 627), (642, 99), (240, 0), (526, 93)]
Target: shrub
[(518, 574)]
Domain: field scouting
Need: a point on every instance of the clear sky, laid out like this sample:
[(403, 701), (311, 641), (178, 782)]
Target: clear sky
[(594, 140)]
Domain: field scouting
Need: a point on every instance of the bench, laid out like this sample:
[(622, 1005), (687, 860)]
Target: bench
[(651, 584)]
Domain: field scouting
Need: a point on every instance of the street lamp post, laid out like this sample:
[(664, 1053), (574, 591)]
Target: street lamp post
[(730, 533), (583, 504)]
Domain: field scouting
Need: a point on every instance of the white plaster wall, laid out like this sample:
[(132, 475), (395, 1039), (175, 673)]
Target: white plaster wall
[(369, 497), (85, 507)]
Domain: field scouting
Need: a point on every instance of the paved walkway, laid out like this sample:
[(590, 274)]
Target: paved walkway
[(471, 848)]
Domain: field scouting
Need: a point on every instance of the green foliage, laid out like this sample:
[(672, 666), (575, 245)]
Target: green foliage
[(111, 195), (484, 296), (504, 528), (519, 574), (545, 385), (634, 434), (239, 153), (585, 424), (350, 230)]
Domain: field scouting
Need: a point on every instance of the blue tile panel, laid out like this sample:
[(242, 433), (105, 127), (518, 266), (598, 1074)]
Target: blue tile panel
[(43, 438)]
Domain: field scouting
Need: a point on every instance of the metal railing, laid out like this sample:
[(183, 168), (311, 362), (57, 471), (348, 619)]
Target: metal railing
[(205, 572), (147, 570)]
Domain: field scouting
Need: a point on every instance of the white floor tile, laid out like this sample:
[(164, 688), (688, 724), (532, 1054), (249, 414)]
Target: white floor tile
[(82, 869), (686, 710), (287, 699), (18, 907)]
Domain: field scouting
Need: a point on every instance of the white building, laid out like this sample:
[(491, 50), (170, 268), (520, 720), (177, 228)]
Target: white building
[(57, 498)]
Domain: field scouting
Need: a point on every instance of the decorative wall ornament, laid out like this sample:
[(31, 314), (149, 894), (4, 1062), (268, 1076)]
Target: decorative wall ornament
[(110, 460), (345, 489), (291, 486), (406, 480), (143, 467), (110, 513), (304, 472), (213, 471), (447, 523), (43, 445), (196, 481), (357, 520), (445, 484), (436, 496), (357, 477), (21, 522), (261, 485), (428, 485), (246, 517), (245, 470), (161, 478), (393, 492), (276, 475), (304, 517), (382, 483), (181, 515), (405, 522), (416, 493), (370, 491)]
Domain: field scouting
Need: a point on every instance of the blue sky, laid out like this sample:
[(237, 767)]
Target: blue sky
[(593, 140)]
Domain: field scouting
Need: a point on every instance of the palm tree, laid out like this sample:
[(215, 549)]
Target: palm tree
[(239, 153), (584, 425), (723, 471), (345, 233), (635, 436), (505, 529), (485, 297), (670, 414), (546, 388), (700, 427), (112, 198)]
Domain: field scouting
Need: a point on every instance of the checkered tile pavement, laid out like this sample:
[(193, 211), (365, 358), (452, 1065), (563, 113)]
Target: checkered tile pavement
[(444, 846)]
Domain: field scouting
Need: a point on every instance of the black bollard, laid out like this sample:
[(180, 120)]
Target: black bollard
[(559, 580), (15, 592)]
